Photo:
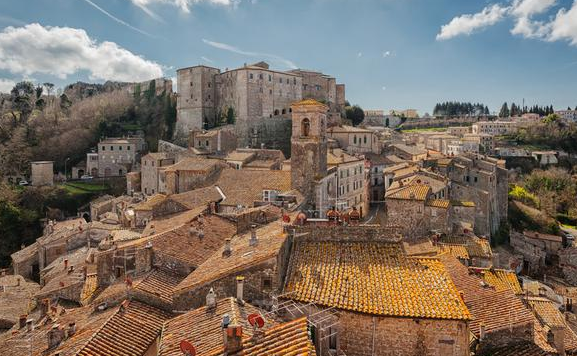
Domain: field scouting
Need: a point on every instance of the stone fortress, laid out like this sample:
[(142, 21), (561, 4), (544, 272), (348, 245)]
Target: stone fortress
[(256, 98)]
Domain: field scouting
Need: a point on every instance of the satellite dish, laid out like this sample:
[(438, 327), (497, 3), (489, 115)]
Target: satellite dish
[(256, 320), (187, 348)]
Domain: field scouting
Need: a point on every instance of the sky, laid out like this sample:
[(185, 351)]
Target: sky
[(391, 54)]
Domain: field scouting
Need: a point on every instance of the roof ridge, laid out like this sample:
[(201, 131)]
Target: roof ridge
[(95, 333)]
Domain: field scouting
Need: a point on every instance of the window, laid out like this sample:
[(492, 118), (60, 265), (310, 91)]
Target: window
[(355, 139), (304, 87), (305, 127), (260, 76), (365, 139), (103, 148), (209, 85), (269, 78), (476, 179), (120, 148), (152, 163), (270, 91), (376, 181), (208, 96), (120, 173), (280, 80), (294, 81), (287, 80), (267, 282), (190, 83), (250, 76), (112, 148), (283, 111), (128, 148)]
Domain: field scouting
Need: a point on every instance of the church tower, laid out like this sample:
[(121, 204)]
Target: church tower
[(308, 146)]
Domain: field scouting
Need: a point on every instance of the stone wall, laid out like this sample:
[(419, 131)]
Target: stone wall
[(360, 335), (410, 214), (42, 173)]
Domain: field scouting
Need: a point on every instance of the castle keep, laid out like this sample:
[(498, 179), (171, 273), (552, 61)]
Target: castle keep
[(251, 97)]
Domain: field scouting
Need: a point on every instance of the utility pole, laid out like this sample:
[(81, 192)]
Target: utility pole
[(65, 171)]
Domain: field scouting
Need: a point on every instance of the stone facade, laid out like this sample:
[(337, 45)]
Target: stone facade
[(252, 93), (115, 157), (355, 139), (216, 141), (150, 166), (42, 173), (308, 147)]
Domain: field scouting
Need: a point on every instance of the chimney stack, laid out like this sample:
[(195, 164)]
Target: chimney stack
[(227, 248), (30, 324), (253, 239), (239, 288), (22, 321), (65, 264), (232, 339), (482, 331), (55, 336), (71, 329), (559, 339), (211, 299), (17, 282)]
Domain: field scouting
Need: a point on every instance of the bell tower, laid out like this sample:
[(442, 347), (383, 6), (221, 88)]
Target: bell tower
[(308, 146)]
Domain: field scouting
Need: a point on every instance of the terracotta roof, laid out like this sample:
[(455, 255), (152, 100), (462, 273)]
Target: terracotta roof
[(239, 156), (346, 128), (420, 247), (499, 278), (468, 204), (410, 192), (89, 288), (459, 251), (244, 187), (197, 197), (517, 349), (476, 247), (337, 156), (548, 316), (150, 202), (27, 252), (160, 284), (194, 164), (374, 278), (412, 150), (287, 339), (17, 297), (438, 203), (309, 102), (243, 256), (130, 332), (485, 303), (169, 222), (202, 327)]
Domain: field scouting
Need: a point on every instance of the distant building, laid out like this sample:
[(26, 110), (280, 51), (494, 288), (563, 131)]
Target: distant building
[(408, 113), (496, 128), (42, 173), (151, 165), (379, 118), (215, 141), (568, 115), (355, 139), (115, 156)]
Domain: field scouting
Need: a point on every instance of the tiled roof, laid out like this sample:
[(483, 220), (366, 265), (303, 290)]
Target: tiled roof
[(468, 204), (17, 297), (239, 156), (160, 284), (484, 302), (198, 197), (517, 349), (202, 327), (412, 150), (287, 339), (420, 247), (89, 288), (499, 278), (244, 187), (127, 333), (169, 222), (194, 164), (346, 128), (548, 316), (27, 252), (438, 203), (156, 155), (243, 256), (410, 192), (374, 278), (149, 203), (476, 247), (459, 251), (337, 156), (308, 102)]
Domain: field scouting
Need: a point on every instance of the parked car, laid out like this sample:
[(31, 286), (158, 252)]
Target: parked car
[(86, 177), (23, 182)]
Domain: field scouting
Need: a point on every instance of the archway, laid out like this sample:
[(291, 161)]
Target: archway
[(305, 127)]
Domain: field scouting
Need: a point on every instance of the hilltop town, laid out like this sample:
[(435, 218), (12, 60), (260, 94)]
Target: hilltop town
[(268, 219)]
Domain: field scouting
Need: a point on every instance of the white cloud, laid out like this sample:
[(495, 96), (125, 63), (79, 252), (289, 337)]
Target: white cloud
[(6, 85), (384, 88), (360, 54), (470, 23), (386, 54), (122, 22), (564, 26), (528, 8), (273, 57), (62, 51)]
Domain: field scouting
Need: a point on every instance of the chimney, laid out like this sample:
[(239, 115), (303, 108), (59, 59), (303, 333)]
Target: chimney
[(481, 331), (211, 299), (232, 339), (227, 249), (239, 288), (70, 269), (22, 321), (253, 239), (65, 264), (17, 282), (559, 339), (71, 329), (84, 272), (30, 324), (55, 336), (44, 307)]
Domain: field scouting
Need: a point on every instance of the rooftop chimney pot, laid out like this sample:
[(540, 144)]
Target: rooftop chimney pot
[(227, 248), (239, 288), (211, 299)]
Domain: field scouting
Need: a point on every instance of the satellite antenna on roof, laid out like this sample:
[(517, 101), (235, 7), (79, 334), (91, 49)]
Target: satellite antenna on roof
[(187, 348), (256, 320)]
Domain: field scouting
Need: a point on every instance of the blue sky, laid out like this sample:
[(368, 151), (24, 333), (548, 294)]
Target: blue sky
[(389, 53)]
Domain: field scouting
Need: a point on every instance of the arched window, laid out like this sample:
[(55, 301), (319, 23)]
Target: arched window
[(365, 139), (305, 127), (276, 112), (355, 139), (283, 111)]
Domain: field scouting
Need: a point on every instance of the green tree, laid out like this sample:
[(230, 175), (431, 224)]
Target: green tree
[(22, 99), (230, 116), (504, 110), (355, 114), (65, 102), (551, 118)]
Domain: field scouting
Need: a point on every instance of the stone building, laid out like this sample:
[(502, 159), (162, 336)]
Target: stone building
[(483, 181), (115, 156), (220, 140), (364, 275), (409, 153), (150, 166), (352, 184), (537, 249), (255, 158), (377, 164), (250, 94), (379, 118), (355, 139), (189, 174), (42, 173), (495, 128)]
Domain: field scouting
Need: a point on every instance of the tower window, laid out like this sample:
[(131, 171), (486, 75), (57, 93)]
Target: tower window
[(305, 127)]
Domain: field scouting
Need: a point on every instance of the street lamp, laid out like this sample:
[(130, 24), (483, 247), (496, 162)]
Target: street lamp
[(65, 161)]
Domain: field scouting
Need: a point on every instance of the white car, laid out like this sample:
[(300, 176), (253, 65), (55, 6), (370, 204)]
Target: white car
[(23, 182), (86, 177)]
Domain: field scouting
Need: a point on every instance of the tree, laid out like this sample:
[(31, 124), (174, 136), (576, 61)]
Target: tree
[(22, 96), (39, 89), (551, 118), (65, 103), (355, 114), (504, 110), (230, 117)]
